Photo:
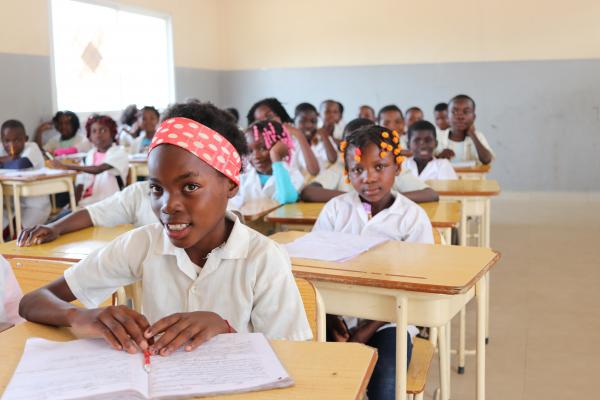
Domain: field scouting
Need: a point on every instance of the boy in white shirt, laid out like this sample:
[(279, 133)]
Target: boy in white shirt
[(372, 161), (202, 271), (391, 118), (422, 164), (462, 142)]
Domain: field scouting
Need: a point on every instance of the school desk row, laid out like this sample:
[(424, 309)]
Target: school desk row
[(405, 283)]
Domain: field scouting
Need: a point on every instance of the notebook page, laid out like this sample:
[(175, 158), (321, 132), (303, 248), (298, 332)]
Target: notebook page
[(228, 363), (331, 246), (86, 368)]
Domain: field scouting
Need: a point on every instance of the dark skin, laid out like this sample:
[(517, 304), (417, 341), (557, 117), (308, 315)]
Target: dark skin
[(307, 122), (331, 113), (413, 116), (261, 158), (373, 178), (462, 125), (64, 126), (367, 112), (13, 141), (39, 234), (422, 145), (149, 122), (184, 190), (441, 119)]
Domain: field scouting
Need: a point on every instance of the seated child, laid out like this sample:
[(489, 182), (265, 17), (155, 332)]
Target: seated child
[(367, 112), (106, 165), (462, 142), (269, 175), (391, 118), (413, 114), (332, 112), (423, 165), (129, 128), (34, 209), (10, 294), (202, 271), (150, 117), (440, 113), (372, 161), (331, 183), (69, 141), (320, 139)]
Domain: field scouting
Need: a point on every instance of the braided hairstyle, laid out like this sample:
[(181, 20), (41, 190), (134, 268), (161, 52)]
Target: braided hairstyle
[(272, 132)]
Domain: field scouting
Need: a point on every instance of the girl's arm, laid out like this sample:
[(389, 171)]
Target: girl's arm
[(316, 193), (364, 332), (39, 131), (285, 192), (331, 151), (485, 156), (46, 233), (89, 169), (312, 165)]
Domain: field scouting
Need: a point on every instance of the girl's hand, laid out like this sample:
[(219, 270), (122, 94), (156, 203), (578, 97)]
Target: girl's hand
[(325, 131), (122, 327), (56, 164), (189, 329), (279, 151), (37, 235), (293, 130), (446, 153)]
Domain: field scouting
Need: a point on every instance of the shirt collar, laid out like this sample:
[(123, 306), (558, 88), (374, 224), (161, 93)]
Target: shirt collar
[(395, 208)]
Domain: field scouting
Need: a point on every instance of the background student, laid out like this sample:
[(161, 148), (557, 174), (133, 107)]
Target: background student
[(332, 114), (413, 114), (423, 142), (367, 112), (440, 115), (68, 141), (320, 139), (391, 118), (150, 117)]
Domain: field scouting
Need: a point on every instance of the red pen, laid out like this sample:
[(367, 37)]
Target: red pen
[(147, 361)]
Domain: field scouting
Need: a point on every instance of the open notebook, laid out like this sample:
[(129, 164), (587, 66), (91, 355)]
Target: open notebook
[(332, 246), (90, 369)]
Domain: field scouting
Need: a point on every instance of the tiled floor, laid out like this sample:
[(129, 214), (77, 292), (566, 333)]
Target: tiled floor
[(545, 305)]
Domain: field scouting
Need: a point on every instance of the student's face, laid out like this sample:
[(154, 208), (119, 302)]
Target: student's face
[(188, 196), (65, 127), (372, 177), (149, 121), (441, 119), (13, 140), (422, 144), (462, 115), (413, 116), (100, 136), (259, 154), (307, 123), (331, 113), (263, 113), (393, 121), (368, 113)]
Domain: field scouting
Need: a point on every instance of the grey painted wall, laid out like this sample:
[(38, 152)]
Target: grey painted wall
[(542, 118)]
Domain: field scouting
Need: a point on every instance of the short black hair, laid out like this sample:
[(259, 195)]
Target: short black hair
[(355, 124), (73, 119), (440, 107), (234, 113), (129, 115), (388, 108), (152, 109), (275, 106), (340, 105), (414, 109), (372, 134), (216, 119), (421, 125), (367, 106), (304, 107), (462, 97), (12, 124)]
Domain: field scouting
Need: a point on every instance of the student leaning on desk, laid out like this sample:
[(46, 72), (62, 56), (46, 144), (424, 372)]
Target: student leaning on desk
[(198, 253)]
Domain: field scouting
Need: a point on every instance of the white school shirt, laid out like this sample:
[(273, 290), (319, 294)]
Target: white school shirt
[(437, 168), (251, 190), (35, 210), (403, 220), (80, 142), (465, 150), (136, 144), (10, 294), (248, 280), (128, 206), (299, 162), (333, 178), (104, 184)]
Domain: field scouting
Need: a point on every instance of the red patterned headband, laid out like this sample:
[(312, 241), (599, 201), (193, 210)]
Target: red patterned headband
[(201, 141)]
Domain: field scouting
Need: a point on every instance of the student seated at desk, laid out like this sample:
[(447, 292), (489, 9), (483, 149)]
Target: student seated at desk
[(372, 161), (106, 165), (331, 182), (129, 128), (462, 142), (413, 114), (203, 272), (22, 155), (321, 140), (269, 175), (150, 117), (391, 118), (440, 115), (332, 112), (69, 141), (10, 294), (422, 164)]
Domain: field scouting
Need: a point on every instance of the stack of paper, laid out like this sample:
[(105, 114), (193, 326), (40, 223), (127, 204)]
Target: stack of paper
[(331, 246), (90, 369)]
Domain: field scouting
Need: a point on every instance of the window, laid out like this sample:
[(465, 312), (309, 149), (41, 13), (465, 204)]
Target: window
[(106, 58)]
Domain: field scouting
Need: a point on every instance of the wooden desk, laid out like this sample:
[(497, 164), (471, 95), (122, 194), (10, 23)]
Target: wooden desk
[(5, 325), (475, 172), (23, 186), (73, 246), (255, 210), (424, 285), (443, 215), (320, 370)]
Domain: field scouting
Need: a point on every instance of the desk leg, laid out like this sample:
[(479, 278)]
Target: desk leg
[(447, 235), (16, 200), (462, 232), (480, 293), (9, 216), (72, 195), (444, 353), (401, 338), (462, 340)]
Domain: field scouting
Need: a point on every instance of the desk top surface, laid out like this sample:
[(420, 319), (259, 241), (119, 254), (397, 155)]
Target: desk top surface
[(465, 187), (400, 265), (253, 210), (319, 370), (475, 169), (35, 178), (72, 246)]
